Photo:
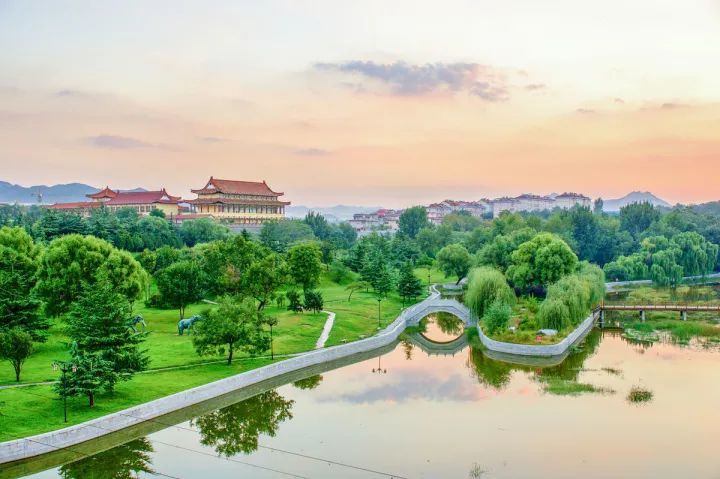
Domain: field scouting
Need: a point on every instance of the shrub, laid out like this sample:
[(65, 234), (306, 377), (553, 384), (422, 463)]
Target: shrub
[(497, 316), (487, 285), (313, 301)]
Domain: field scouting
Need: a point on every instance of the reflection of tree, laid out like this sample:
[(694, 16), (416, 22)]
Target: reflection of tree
[(489, 372), (571, 367), (497, 374), (449, 323), (236, 428), (309, 383), (117, 463), (407, 348)]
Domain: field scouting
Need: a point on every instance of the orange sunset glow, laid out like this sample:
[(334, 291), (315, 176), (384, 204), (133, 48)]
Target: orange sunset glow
[(371, 103)]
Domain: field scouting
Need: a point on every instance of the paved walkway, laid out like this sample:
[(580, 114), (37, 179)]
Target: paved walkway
[(326, 330)]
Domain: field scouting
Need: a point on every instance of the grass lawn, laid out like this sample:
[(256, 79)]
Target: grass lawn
[(36, 409)]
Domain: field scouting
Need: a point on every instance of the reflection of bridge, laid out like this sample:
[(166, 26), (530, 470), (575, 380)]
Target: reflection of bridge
[(435, 348), (683, 309)]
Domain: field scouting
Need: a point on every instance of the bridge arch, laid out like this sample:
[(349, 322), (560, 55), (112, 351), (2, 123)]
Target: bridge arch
[(440, 305)]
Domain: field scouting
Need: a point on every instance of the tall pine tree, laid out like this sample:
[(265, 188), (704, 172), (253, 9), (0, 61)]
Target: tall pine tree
[(104, 349), (409, 285)]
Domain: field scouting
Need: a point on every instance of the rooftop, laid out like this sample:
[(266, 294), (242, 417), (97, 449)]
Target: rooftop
[(235, 187)]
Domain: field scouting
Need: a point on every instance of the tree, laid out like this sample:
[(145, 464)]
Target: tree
[(409, 285), (15, 347), (202, 230), (19, 306), (598, 206), (339, 272), (485, 286), (357, 286), (180, 284), (412, 220), (232, 326), (497, 316), (236, 428), (304, 264), (377, 273), (264, 277), (313, 301), (104, 349), (294, 303), (553, 314), (637, 217), (280, 235), (155, 232), (541, 261), (319, 225), (73, 262), (454, 260), (498, 252)]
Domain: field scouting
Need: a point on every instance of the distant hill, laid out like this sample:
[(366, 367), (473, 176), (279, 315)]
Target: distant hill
[(333, 214), (634, 197), (10, 193), (711, 208)]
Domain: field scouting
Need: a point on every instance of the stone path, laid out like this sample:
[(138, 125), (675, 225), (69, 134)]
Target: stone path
[(326, 330)]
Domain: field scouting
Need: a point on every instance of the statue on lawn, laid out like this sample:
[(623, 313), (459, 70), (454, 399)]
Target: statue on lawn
[(137, 320), (187, 323)]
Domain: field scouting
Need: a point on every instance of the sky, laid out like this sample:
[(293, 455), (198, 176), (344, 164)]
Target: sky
[(365, 102)]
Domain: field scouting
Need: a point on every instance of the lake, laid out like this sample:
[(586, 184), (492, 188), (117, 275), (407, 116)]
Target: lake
[(462, 414)]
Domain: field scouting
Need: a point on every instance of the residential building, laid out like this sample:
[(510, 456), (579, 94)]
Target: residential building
[(381, 221), (568, 200), (243, 203)]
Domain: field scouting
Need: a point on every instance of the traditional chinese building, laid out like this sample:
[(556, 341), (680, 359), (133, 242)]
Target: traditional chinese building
[(141, 201), (239, 202)]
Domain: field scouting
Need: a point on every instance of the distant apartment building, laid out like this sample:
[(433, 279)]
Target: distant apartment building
[(568, 200), (438, 211), (534, 203), (143, 202), (381, 221)]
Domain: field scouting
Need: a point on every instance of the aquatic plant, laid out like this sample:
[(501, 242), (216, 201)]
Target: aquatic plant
[(564, 387), (638, 394)]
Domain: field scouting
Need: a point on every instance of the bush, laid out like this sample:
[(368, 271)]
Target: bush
[(497, 316), (487, 285), (553, 314)]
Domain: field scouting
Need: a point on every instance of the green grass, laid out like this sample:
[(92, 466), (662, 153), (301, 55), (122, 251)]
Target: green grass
[(680, 331), (36, 409), (565, 387)]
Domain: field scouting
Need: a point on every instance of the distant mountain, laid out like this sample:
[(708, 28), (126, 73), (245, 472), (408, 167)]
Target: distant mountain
[(634, 197), (333, 214), (10, 193)]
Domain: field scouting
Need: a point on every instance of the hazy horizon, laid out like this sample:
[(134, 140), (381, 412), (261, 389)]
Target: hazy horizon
[(365, 103)]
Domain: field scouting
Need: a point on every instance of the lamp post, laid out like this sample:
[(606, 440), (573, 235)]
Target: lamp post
[(64, 366)]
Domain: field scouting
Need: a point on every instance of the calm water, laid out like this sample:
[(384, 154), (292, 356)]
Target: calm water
[(453, 416)]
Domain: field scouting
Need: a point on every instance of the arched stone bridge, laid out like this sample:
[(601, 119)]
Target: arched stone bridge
[(436, 304)]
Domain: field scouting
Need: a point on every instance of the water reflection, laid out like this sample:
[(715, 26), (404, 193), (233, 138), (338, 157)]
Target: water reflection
[(309, 383), (441, 327), (121, 462), (236, 428), (495, 412)]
